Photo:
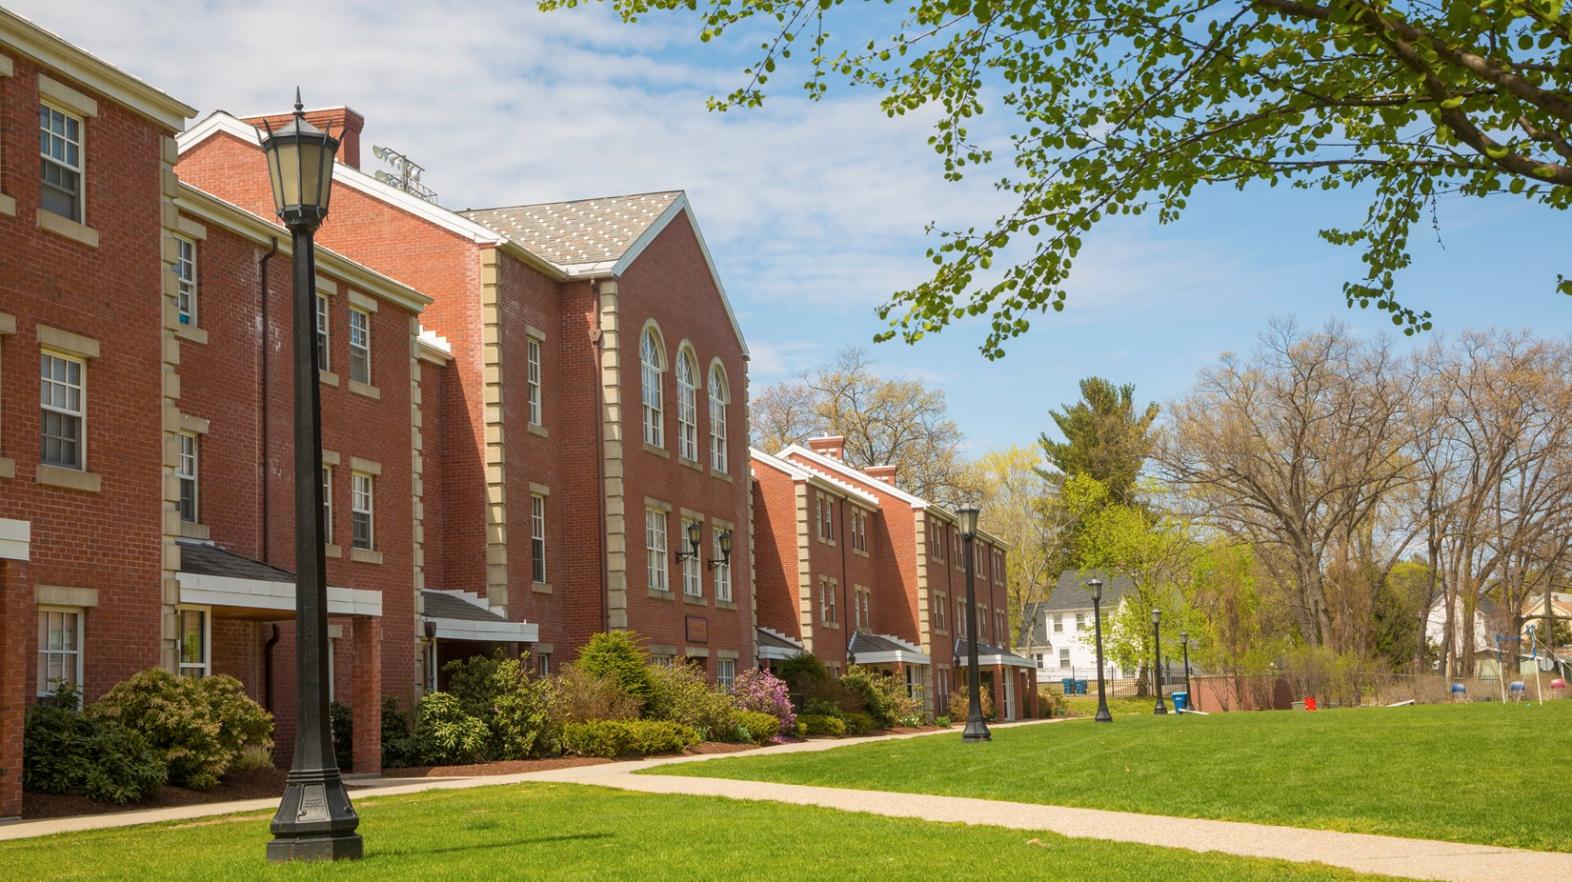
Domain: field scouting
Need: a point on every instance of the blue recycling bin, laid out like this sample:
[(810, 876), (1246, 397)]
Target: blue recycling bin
[(1181, 702), (1069, 686), (1080, 687)]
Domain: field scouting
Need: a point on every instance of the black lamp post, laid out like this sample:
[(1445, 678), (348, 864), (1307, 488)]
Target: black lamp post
[(1096, 586), (315, 820), (1157, 661), (976, 726), (1189, 697)]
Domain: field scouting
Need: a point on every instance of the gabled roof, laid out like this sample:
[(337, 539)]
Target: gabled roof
[(203, 559), (601, 237), (797, 473), (604, 223), (583, 231), (988, 654), (876, 649), (1070, 595)]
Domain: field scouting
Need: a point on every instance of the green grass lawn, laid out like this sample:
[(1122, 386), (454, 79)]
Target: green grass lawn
[(1086, 705), (546, 833), (1468, 773)]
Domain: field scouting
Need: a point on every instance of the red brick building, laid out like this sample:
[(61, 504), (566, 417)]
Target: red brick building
[(846, 551), (89, 377), (593, 406)]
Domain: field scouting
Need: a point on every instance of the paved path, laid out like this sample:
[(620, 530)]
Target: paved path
[(1390, 855)]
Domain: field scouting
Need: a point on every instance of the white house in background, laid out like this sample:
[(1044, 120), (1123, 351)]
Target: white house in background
[(1056, 633), (1487, 624)]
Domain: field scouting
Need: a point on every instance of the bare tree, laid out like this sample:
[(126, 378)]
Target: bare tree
[(1294, 449), (885, 421)]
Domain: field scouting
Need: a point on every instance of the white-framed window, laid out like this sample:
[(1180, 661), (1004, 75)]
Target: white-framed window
[(982, 622), (826, 517), (720, 396), (196, 641), (1080, 621), (543, 664), (327, 505), (361, 511), (863, 599), (692, 569), (1064, 657), (186, 472), (829, 611), (360, 346), (324, 322), (59, 648), (960, 617), (937, 551), (186, 274), (655, 550), (652, 361), (687, 407), (725, 673), (1001, 627), (532, 358), (1058, 623), (859, 529), (917, 684), (60, 145), (943, 682), (663, 659), (537, 537), (938, 605), (1039, 658), (722, 570), (63, 398)]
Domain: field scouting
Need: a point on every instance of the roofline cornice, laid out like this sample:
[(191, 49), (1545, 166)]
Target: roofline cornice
[(54, 52)]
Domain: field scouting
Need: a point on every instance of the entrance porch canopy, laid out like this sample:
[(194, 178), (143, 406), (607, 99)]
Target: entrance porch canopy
[(988, 654), (246, 588), (882, 649)]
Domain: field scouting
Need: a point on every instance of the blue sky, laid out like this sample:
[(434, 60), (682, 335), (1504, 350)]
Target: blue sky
[(814, 212)]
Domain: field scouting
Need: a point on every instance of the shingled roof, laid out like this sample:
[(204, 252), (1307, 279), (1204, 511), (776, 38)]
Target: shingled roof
[(579, 232)]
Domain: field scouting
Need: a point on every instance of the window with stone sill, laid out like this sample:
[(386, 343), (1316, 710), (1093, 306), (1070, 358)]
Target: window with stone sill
[(362, 511), (360, 346), (186, 276), (61, 162), (63, 400), (59, 649)]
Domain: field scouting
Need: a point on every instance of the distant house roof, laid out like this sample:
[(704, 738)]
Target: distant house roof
[(1070, 595), (582, 231)]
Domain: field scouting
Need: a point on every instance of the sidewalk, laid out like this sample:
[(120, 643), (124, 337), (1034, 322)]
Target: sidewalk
[(1389, 855)]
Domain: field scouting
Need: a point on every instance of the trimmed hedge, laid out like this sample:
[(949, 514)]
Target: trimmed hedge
[(70, 753), (613, 738), (858, 723), (754, 727), (820, 724)]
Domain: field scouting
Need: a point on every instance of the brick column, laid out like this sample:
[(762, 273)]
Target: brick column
[(14, 694), (366, 695)]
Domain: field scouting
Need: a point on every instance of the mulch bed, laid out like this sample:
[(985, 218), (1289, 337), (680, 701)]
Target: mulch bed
[(250, 784)]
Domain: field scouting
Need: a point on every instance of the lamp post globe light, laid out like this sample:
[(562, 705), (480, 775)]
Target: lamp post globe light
[(1095, 585), (1184, 641), (976, 727), (315, 820), (1157, 661)]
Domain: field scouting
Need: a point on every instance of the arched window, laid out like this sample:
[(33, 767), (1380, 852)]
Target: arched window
[(652, 355), (687, 407), (720, 395)]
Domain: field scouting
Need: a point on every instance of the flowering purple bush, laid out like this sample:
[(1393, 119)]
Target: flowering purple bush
[(765, 693)]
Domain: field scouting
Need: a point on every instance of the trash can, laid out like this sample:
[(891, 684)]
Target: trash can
[(1080, 687), (1181, 702), (1069, 686)]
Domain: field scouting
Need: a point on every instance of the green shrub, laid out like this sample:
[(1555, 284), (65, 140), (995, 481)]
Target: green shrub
[(612, 738), (341, 720), (820, 724), (201, 726), (753, 727), (1051, 704), (858, 723), (499, 692), (66, 751), (398, 745), (808, 681), (444, 734), (617, 656), (680, 694), (576, 696), (882, 697), (960, 704)]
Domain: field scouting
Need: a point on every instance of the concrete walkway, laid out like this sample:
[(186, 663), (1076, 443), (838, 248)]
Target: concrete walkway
[(1390, 855)]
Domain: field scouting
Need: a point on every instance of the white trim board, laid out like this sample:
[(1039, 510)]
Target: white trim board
[(489, 632)]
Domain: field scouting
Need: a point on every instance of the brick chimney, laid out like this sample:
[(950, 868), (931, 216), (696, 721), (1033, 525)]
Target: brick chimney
[(340, 122), (833, 446), (885, 473)]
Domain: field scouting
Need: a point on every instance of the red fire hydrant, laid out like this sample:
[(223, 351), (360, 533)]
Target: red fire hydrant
[(1309, 702)]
